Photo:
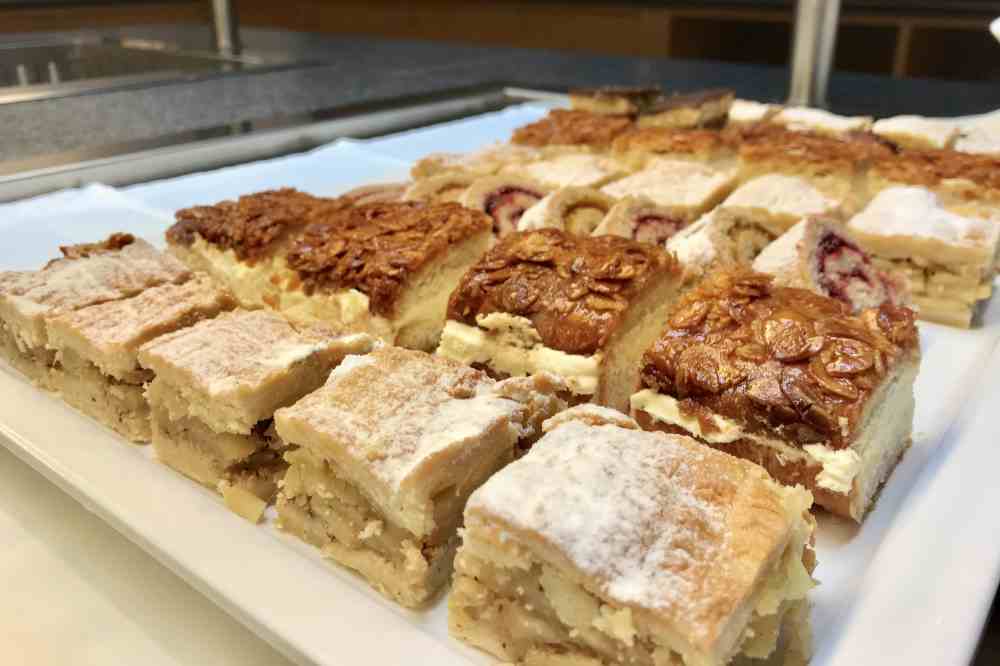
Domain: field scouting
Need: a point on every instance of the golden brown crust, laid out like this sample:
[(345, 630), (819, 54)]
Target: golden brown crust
[(574, 289), (112, 243), (781, 361), (573, 128), (691, 100), (930, 167), (251, 225), (374, 248), (766, 143), (673, 141)]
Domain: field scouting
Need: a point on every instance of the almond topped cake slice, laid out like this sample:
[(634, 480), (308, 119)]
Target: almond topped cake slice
[(790, 380), (383, 268), (563, 127), (822, 256), (389, 449), (86, 274), (947, 253), (217, 385), (957, 176), (581, 307), (97, 348), (609, 545)]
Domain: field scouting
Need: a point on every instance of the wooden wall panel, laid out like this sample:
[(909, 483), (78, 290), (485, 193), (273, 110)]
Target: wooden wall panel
[(43, 19)]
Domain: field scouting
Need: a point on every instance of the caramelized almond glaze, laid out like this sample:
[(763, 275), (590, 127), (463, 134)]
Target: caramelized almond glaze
[(573, 128), (574, 289), (776, 360)]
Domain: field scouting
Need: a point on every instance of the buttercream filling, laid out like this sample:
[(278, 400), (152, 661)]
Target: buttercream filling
[(838, 467), (511, 345)]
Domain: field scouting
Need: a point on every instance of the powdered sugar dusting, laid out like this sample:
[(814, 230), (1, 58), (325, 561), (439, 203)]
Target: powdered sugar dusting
[(914, 211), (643, 512), (781, 195), (396, 409)]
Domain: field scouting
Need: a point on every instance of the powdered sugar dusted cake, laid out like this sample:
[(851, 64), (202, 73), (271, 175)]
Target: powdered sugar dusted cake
[(788, 379), (606, 544), (389, 449)]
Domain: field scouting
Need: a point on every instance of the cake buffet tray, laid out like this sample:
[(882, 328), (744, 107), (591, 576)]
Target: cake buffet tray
[(911, 586)]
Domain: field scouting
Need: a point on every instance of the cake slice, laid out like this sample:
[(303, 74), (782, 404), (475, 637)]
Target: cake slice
[(217, 385), (642, 219), (440, 188), (686, 188), (610, 545), (818, 254), (788, 379), (947, 254), (86, 274), (373, 193), (569, 168), (97, 348), (504, 198), (703, 108), (954, 175), (803, 119), (385, 269), (709, 147), (614, 100), (483, 162), (388, 451), (746, 113), (917, 132), (577, 210), (580, 307), (562, 127)]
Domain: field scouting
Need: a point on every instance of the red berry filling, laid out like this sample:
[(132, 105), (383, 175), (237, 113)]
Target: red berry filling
[(842, 265), (655, 229), (507, 205)]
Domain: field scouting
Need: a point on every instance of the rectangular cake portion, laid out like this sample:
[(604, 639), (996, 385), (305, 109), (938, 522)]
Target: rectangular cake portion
[(86, 274), (948, 254), (580, 307), (702, 108), (388, 451), (97, 349), (562, 127), (688, 189), (790, 380), (954, 175), (383, 268), (217, 385), (610, 545)]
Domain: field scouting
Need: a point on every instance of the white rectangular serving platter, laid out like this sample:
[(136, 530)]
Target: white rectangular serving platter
[(911, 586)]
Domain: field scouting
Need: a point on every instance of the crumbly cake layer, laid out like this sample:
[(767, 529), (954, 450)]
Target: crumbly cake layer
[(575, 290), (109, 335), (34, 363), (688, 188), (780, 362), (645, 548), (720, 238), (235, 370), (573, 128), (700, 144), (962, 174)]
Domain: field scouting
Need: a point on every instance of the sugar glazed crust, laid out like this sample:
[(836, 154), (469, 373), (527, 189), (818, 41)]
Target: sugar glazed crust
[(673, 141), (772, 143), (250, 225), (778, 360), (574, 289), (374, 248), (930, 167), (572, 128)]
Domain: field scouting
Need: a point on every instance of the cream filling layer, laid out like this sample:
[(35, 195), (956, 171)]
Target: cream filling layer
[(838, 468), (510, 344)]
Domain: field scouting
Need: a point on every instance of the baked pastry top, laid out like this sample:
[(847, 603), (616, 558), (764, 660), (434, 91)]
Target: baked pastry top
[(776, 359), (574, 289), (251, 225), (614, 99), (572, 128), (931, 167), (841, 154), (673, 141), (658, 524), (375, 248)]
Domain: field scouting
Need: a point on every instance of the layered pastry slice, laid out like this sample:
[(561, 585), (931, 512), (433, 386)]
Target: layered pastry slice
[(569, 168), (483, 162), (803, 119), (374, 193), (642, 219), (97, 348), (578, 210), (562, 127), (215, 390), (947, 254), (699, 145), (790, 380), (704, 108), (610, 545), (615, 100), (504, 198), (954, 175), (686, 188), (388, 451), (384, 269), (917, 132), (580, 307), (115, 268), (818, 254), (440, 188)]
